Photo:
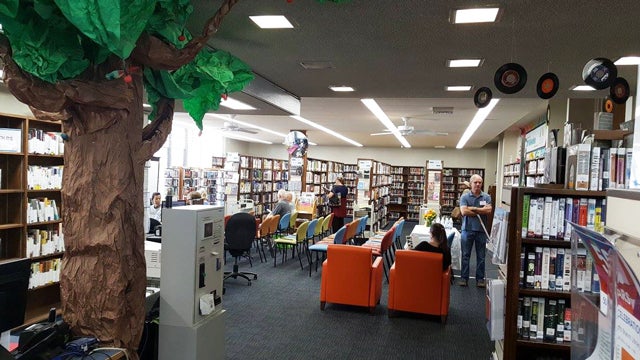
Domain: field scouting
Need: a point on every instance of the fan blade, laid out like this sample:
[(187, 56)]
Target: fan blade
[(429, 132), (382, 133), (249, 131)]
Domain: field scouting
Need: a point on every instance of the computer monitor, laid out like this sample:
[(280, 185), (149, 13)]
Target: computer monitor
[(14, 282)]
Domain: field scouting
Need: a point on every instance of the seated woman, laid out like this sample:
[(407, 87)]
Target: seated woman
[(438, 244)]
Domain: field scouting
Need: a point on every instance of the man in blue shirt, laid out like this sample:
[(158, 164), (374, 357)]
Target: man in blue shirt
[(474, 203)]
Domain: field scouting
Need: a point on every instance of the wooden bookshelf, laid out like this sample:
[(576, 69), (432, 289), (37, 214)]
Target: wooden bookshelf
[(42, 155), (517, 346), (452, 187)]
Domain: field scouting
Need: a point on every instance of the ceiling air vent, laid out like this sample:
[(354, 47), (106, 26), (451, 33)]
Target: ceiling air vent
[(316, 65), (442, 110)]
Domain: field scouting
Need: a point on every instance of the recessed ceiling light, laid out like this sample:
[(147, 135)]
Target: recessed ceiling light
[(235, 104), (458, 88), (478, 15), (341, 88), (628, 60), (582, 88), (271, 22), (454, 63)]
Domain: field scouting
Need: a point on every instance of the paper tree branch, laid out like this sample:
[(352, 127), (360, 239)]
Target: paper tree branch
[(155, 53), (156, 133)]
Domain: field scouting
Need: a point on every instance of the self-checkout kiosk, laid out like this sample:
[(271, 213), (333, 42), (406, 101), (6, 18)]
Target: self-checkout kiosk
[(192, 257)]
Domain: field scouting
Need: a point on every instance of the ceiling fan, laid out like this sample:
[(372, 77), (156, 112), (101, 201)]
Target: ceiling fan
[(233, 127), (406, 129)]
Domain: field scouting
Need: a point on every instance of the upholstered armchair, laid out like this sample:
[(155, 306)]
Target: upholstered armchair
[(350, 277), (417, 284)]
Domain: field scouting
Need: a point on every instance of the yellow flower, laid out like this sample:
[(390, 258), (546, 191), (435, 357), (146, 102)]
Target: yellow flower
[(430, 215)]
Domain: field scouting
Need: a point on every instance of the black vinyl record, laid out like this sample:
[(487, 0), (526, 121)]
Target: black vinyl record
[(599, 73), (482, 97), (608, 104), (547, 86), (619, 90), (510, 78)]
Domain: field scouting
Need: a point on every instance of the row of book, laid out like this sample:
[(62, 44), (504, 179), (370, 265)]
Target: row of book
[(45, 142), (44, 177), (547, 217), (548, 268), (41, 210), (44, 272), (41, 242), (544, 319), (597, 168)]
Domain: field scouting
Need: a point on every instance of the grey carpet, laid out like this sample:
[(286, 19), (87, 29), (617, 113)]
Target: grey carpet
[(279, 317)]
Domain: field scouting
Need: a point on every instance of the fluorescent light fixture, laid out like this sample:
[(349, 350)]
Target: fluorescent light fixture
[(455, 63), (271, 22), (341, 88), (628, 60), (235, 104), (328, 131), (479, 117), (582, 88), (243, 138), (459, 88), (373, 106), (479, 15), (439, 146), (1, 74)]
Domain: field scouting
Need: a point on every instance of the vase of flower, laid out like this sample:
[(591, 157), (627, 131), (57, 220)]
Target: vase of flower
[(429, 217)]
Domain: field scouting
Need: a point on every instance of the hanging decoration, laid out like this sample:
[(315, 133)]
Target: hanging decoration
[(297, 143)]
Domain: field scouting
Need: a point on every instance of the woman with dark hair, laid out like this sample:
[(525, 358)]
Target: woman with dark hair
[(339, 210), (438, 244)]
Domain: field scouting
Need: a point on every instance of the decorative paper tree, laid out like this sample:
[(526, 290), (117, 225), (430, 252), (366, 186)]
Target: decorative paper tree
[(87, 63)]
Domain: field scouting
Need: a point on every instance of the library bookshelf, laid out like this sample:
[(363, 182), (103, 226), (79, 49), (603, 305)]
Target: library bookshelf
[(522, 284), (30, 204)]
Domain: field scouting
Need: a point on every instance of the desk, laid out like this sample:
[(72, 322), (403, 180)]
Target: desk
[(421, 233)]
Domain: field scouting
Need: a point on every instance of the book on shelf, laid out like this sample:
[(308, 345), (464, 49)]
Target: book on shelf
[(526, 317), (550, 319), (560, 309)]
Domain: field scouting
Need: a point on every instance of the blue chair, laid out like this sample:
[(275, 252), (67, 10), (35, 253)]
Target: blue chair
[(321, 246), (362, 227), (283, 224)]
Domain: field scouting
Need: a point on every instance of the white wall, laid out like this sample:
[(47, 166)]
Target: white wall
[(477, 158), (11, 105)]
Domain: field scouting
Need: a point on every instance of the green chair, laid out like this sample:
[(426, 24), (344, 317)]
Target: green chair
[(291, 242)]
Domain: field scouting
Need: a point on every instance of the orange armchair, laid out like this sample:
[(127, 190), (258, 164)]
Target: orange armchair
[(417, 284), (349, 277)]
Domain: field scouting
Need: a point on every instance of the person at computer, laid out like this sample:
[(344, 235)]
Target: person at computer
[(437, 244), (282, 207), (155, 210)]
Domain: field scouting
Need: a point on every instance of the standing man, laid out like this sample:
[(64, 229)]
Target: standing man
[(474, 203)]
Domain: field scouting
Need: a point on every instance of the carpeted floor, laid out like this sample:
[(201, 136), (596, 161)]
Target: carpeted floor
[(279, 317)]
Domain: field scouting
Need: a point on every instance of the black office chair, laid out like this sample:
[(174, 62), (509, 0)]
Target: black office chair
[(153, 223), (239, 234)]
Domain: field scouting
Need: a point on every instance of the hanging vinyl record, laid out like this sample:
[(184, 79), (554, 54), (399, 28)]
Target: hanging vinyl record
[(547, 86), (619, 90), (608, 104), (482, 97), (510, 78), (599, 73)]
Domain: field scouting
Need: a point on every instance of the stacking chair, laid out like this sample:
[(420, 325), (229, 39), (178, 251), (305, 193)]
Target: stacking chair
[(397, 241), (317, 232), (321, 246), (349, 277), (381, 248), (362, 226), (239, 235), (291, 241), (292, 221), (352, 227), (283, 224), (417, 284), (326, 228)]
